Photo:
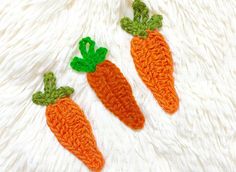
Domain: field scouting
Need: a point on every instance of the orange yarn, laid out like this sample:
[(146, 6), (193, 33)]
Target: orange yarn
[(153, 61), (71, 128), (115, 93)]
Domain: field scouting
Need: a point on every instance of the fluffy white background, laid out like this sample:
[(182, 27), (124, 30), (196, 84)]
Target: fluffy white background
[(41, 35)]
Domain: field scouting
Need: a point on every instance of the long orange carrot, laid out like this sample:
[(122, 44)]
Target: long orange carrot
[(68, 123), (108, 83), (152, 56)]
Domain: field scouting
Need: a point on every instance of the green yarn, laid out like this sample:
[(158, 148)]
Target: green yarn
[(141, 22), (90, 57), (51, 92)]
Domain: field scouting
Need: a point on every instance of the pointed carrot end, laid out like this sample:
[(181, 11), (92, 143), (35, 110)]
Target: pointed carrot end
[(96, 163), (172, 107), (138, 123), (139, 126)]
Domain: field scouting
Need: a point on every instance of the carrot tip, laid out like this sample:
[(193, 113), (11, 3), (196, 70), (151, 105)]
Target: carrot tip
[(136, 124), (172, 107), (97, 166)]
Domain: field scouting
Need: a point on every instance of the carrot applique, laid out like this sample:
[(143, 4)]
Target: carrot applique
[(152, 56), (108, 83), (68, 122)]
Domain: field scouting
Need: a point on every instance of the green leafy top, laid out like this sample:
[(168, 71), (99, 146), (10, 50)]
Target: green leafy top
[(51, 92), (141, 22), (90, 57)]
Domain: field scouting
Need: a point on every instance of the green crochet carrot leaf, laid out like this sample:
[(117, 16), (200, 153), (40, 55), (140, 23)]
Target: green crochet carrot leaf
[(51, 92), (141, 22), (90, 58)]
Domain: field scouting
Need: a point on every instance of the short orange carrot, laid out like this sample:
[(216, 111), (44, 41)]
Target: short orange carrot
[(108, 83), (68, 123), (152, 56)]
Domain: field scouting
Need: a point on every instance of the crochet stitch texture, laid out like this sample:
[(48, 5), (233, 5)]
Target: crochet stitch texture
[(71, 128), (68, 123), (141, 22), (151, 55), (51, 93), (109, 84), (154, 64), (115, 93)]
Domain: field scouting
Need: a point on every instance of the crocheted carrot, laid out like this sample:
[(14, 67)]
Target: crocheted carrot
[(68, 122), (108, 83), (152, 56)]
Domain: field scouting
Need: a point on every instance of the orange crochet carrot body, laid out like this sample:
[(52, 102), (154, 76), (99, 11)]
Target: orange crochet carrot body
[(68, 123), (109, 84), (152, 56), (116, 94), (153, 61)]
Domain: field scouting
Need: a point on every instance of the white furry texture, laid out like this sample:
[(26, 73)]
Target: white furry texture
[(41, 35)]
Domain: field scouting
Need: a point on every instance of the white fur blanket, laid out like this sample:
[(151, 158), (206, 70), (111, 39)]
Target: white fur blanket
[(41, 35)]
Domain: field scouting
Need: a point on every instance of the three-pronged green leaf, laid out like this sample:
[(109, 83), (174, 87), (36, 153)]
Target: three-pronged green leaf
[(51, 92), (90, 57), (141, 22)]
